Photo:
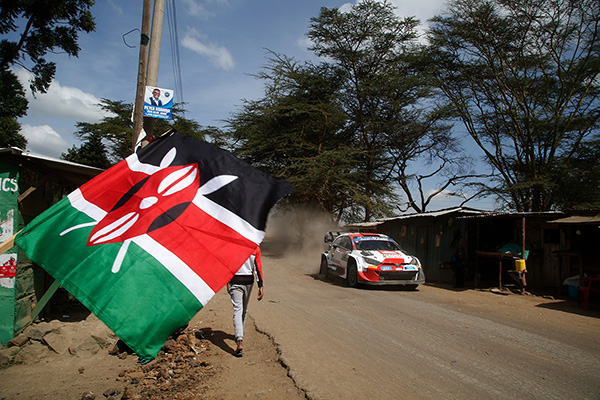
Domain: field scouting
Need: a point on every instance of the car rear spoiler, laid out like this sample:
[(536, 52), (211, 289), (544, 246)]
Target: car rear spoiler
[(330, 236)]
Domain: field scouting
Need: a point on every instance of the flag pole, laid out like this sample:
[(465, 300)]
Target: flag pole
[(8, 243)]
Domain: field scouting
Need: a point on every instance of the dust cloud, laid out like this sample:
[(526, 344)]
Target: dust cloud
[(296, 236)]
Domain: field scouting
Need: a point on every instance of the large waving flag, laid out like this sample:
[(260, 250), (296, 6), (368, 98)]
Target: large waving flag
[(147, 243)]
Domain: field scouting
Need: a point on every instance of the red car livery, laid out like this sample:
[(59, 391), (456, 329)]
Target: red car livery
[(370, 258)]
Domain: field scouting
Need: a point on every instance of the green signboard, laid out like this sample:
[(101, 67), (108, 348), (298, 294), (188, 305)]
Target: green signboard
[(9, 194)]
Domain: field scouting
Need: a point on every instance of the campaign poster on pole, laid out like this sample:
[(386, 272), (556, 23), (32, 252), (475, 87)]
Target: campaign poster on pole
[(158, 102)]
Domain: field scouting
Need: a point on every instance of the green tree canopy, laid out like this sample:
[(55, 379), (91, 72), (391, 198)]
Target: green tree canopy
[(367, 45), (522, 77), (12, 107), (349, 132), (579, 179), (92, 152), (112, 135), (39, 26), (296, 132)]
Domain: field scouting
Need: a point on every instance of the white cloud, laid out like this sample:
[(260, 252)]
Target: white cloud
[(346, 7), (44, 140), (63, 106), (216, 54), (422, 9), (304, 42), (195, 8), (116, 7), (65, 102)]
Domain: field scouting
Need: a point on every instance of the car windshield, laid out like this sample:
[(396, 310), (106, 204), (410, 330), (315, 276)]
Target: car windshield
[(366, 244)]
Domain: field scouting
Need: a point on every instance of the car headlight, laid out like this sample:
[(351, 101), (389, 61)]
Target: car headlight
[(415, 261), (371, 261)]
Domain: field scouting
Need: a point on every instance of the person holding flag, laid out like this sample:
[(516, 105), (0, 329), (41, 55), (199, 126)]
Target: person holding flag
[(240, 289), (147, 243)]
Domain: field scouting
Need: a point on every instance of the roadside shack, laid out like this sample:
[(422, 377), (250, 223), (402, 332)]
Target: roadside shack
[(534, 250), (516, 249), (578, 256), (429, 236), (29, 184)]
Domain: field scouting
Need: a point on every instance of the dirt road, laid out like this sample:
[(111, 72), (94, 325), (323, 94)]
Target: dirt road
[(335, 343), (343, 343)]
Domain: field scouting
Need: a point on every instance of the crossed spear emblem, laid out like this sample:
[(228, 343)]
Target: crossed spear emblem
[(150, 205)]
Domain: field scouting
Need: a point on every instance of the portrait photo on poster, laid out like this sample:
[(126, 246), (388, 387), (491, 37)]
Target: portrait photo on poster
[(158, 102)]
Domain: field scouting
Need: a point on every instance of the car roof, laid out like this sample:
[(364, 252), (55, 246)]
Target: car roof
[(332, 236), (365, 235)]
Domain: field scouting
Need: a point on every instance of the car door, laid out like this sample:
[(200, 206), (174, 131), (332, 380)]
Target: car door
[(333, 259), (341, 253)]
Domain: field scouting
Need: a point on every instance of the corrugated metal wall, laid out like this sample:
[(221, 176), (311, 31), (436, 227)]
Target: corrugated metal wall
[(20, 293), (429, 238)]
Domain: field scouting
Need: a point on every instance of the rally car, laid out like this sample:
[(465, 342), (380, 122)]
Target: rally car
[(370, 258)]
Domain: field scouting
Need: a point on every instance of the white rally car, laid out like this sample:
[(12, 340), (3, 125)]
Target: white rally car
[(370, 258)]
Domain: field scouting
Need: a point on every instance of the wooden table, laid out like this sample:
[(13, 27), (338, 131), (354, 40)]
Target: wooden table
[(518, 276)]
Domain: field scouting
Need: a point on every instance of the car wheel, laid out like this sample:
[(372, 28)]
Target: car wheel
[(324, 268), (352, 275)]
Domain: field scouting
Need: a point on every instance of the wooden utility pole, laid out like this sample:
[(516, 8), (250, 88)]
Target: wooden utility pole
[(138, 114), (154, 57), (155, 39)]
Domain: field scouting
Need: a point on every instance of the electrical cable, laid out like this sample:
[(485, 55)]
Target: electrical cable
[(175, 55)]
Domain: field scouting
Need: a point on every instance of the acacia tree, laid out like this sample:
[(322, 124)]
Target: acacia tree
[(295, 131), (92, 152), (40, 26), (112, 136), (423, 150), (579, 178), (364, 43), (523, 77), (387, 95)]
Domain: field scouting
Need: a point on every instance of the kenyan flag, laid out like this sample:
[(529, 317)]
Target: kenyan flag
[(146, 244)]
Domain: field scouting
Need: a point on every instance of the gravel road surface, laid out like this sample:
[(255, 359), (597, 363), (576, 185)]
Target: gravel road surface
[(435, 342)]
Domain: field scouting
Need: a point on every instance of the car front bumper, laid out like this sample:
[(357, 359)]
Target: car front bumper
[(375, 276)]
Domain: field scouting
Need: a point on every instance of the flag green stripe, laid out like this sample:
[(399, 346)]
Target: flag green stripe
[(142, 303)]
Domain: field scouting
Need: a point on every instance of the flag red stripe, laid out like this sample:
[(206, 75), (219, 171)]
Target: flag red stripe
[(210, 248), (114, 183)]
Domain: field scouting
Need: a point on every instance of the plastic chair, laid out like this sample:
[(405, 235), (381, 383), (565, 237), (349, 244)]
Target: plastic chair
[(586, 288)]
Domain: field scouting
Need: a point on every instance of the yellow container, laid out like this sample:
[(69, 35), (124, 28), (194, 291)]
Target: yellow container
[(520, 265)]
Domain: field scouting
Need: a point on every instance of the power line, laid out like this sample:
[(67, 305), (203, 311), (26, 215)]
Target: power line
[(175, 57)]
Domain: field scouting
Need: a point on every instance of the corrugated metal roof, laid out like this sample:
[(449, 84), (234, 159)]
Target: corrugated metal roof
[(366, 224), (578, 219), (499, 215), (459, 210), (428, 214), (56, 163)]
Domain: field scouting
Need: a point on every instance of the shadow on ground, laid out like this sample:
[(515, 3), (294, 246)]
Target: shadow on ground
[(558, 303), (218, 338), (337, 281), (572, 306)]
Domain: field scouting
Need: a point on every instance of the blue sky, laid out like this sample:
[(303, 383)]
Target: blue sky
[(221, 42)]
